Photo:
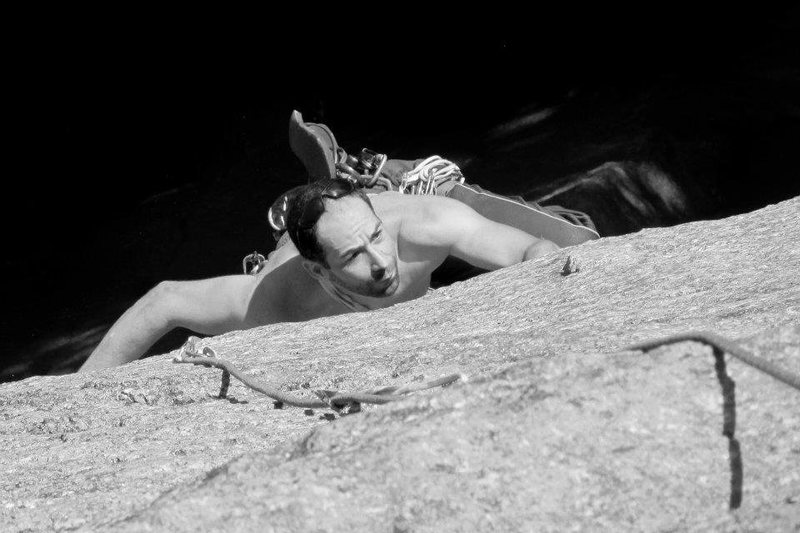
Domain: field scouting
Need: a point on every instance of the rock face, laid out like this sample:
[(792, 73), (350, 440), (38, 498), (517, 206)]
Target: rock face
[(557, 428)]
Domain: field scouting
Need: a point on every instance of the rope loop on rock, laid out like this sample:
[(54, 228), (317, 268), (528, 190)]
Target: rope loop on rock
[(348, 402)]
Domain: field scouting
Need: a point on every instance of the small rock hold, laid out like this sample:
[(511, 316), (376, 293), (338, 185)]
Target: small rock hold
[(570, 267)]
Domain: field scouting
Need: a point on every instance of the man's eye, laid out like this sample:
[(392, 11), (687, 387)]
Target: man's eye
[(377, 235)]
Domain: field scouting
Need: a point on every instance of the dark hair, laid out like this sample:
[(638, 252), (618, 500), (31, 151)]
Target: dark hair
[(308, 205)]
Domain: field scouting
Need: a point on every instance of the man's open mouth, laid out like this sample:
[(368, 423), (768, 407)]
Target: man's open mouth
[(387, 282)]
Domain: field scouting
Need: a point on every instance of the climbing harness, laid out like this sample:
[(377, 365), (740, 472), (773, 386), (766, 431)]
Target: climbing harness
[(424, 178), (341, 402), (364, 170)]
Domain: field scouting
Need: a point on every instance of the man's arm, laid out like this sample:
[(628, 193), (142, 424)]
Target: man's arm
[(208, 307), (480, 241)]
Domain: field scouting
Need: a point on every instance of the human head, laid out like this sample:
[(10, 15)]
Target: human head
[(334, 227)]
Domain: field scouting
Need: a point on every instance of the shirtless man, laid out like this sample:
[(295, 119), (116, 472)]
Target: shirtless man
[(348, 252)]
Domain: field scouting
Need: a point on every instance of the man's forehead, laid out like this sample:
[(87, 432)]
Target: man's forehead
[(343, 218)]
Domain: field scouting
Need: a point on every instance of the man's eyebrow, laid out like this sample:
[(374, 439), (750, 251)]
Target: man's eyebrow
[(349, 251)]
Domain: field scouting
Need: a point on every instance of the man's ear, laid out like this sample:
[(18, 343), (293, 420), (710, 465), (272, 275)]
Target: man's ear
[(315, 270)]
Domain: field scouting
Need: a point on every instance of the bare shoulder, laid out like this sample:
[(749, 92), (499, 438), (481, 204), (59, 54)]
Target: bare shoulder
[(279, 256), (284, 292), (390, 202), (423, 219), (415, 207)]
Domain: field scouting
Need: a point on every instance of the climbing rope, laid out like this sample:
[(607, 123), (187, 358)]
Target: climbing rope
[(338, 401), (721, 346), (428, 175), (781, 374)]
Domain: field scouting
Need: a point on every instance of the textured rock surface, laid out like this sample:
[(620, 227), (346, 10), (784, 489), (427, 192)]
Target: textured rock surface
[(556, 429)]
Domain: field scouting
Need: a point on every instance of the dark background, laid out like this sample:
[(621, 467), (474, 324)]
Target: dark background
[(145, 151)]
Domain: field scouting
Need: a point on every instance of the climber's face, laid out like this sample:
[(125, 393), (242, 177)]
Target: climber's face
[(361, 256)]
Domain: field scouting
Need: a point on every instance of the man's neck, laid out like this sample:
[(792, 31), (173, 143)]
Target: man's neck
[(349, 299)]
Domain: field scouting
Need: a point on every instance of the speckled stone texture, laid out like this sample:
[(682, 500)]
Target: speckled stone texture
[(557, 428)]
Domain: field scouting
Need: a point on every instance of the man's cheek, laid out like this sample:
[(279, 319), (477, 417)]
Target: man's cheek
[(352, 274)]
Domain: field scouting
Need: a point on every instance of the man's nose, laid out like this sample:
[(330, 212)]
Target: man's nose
[(378, 272), (379, 264)]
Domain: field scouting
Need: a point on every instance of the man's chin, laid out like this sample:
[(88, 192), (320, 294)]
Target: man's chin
[(382, 291), (392, 287)]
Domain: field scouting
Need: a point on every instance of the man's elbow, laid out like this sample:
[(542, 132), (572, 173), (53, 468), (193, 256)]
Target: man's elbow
[(136, 330), (540, 248), (155, 312), (161, 302)]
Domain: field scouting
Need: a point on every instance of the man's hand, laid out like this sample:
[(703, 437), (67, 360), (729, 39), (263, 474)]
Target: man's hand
[(540, 248)]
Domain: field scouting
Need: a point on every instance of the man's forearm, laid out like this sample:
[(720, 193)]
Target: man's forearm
[(135, 331)]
